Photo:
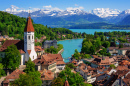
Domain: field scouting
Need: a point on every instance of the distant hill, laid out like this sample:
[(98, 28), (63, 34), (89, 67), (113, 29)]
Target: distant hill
[(67, 20), (125, 21), (101, 25), (13, 25)]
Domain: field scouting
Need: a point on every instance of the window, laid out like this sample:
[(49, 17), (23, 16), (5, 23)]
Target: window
[(32, 37), (29, 37), (33, 57)]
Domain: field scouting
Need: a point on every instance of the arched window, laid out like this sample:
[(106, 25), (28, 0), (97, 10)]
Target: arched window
[(29, 37), (32, 37), (33, 57)]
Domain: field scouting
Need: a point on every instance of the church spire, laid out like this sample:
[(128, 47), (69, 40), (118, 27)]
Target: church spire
[(29, 26)]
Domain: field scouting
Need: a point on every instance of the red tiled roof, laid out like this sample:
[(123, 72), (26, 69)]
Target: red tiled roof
[(18, 43), (127, 80), (122, 68), (121, 73), (60, 62), (48, 59), (29, 51), (125, 62), (38, 48), (14, 75), (29, 25), (46, 75), (21, 51)]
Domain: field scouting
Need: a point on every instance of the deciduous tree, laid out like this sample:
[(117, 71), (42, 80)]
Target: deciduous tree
[(12, 57)]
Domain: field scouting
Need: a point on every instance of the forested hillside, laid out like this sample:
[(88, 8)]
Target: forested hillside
[(100, 25), (13, 25)]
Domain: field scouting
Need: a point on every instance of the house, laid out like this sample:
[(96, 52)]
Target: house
[(47, 77), (122, 51), (39, 50), (124, 62), (120, 58), (101, 79), (26, 47), (88, 73), (126, 80), (10, 78), (76, 63), (117, 78), (20, 47), (112, 50), (104, 62), (49, 43), (117, 50), (53, 62)]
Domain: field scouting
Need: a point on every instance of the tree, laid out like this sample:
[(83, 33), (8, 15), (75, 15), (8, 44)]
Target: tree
[(76, 55), (103, 51), (92, 50), (86, 47), (112, 66), (73, 79), (2, 72), (30, 66), (12, 57), (30, 79), (70, 65), (57, 82), (106, 44), (87, 56), (120, 45)]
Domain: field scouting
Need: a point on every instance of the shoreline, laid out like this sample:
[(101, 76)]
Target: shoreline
[(69, 39), (61, 51)]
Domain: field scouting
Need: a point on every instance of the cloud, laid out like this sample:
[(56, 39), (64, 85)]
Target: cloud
[(47, 7), (35, 9), (76, 5), (75, 8), (13, 6)]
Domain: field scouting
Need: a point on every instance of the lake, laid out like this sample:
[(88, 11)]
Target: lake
[(92, 31), (71, 45)]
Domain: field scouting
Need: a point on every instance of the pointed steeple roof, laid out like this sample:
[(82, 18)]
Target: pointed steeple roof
[(29, 26), (66, 82)]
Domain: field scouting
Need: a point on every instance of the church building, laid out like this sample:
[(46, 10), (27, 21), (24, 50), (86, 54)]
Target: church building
[(26, 47)]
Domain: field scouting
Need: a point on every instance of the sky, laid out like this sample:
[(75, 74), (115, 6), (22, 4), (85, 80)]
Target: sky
[(86, 5)]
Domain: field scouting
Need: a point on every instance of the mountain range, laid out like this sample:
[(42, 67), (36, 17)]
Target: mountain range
[(72, 16)]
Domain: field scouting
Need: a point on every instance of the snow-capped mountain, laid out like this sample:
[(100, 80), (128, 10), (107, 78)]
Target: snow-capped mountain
[(70, 15), (120, 16), (105, 12), (36, 12)]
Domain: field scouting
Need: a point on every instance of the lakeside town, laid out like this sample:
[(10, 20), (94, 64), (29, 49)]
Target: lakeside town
[(103, 61), (64, 43)]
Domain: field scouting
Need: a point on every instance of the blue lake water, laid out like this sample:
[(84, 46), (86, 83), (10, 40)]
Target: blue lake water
[(71, 45), (92, 31)]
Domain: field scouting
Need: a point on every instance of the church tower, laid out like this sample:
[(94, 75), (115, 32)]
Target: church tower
[(29, 43)]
